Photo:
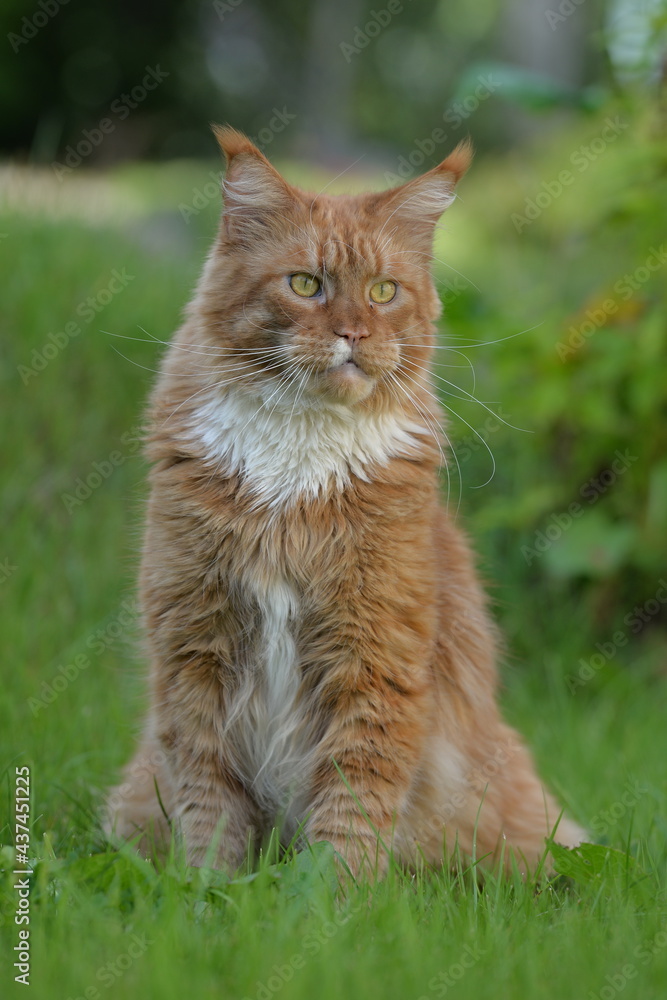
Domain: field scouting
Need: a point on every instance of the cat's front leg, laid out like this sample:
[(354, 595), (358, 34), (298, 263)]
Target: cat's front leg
[(217, 818), (365, 767), (371, 645)]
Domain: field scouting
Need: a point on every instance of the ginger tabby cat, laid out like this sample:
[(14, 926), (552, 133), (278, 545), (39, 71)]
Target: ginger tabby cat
[(311, 609)]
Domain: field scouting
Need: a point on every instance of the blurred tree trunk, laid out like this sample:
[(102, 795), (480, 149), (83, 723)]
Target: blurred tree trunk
[(328, 78), (555, 38)]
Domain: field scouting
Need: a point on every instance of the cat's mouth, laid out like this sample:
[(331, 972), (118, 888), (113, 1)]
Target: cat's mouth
[(348, 380), (350, 364), (349, 370)]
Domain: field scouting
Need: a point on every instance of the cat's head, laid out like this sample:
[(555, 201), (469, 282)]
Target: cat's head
[(330, 295)]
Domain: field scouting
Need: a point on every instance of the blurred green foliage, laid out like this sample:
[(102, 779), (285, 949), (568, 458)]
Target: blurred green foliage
[(571, 247)]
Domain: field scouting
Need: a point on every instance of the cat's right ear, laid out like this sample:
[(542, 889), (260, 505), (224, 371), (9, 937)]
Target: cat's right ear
[(417, 205), (255, 195)]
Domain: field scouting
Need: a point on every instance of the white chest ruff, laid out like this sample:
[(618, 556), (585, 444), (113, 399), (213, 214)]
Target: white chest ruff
[(285, 451), (266, 724)]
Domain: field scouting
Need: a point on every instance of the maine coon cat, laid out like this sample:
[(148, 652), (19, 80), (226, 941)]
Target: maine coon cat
[(321, 654)]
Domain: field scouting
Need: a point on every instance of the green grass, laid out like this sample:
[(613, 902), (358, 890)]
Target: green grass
[(105, 924)]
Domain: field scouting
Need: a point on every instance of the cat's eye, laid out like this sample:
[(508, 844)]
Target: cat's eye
[(305, 284), (383, 291)]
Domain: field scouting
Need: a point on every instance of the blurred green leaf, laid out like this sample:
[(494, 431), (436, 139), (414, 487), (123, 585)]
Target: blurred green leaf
[(590, 863), (593, 546), (530, 90)]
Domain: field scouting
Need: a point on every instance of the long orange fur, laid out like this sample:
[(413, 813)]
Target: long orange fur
[(322, 658)]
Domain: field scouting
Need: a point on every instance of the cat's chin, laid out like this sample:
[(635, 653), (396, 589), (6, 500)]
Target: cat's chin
[(346, 383)]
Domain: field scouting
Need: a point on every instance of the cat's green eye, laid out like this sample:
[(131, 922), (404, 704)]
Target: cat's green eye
[(383, 291), (305, 285)]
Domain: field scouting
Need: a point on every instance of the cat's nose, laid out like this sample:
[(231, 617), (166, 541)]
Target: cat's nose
[(352, 336)]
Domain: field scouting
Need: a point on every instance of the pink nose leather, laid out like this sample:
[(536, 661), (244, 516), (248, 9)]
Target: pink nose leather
[(352, 336)]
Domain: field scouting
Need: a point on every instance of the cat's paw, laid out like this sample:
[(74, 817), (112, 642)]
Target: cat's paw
[(360, 857)]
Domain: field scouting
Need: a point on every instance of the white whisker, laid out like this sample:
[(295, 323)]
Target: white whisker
[(488, 343), (469, 397), (475, 432), (438, 403), (221, 383)]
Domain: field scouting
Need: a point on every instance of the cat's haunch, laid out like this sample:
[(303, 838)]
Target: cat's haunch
[(322, 658)]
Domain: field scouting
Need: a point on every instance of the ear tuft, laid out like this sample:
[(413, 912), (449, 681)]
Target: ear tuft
[(232, 142), (458, 160)]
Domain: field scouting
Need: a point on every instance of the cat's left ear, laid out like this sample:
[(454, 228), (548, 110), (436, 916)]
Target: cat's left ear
[(419, 203), (256, 196)]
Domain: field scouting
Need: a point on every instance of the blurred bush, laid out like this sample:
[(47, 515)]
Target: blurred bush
[(569, 244)]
